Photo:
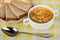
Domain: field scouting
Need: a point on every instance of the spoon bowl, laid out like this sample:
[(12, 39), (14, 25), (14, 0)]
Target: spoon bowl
[(10, 31)]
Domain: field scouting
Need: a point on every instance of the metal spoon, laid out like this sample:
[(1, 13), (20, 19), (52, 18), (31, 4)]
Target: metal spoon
[(10, 31)]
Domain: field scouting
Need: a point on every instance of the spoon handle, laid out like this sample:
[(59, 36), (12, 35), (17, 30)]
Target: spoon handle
[(45, 35)]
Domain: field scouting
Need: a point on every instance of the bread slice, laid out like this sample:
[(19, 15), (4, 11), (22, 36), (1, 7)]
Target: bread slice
[(2, 12), (9, 14), (18, 12), (22, 5), (26, 1)]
